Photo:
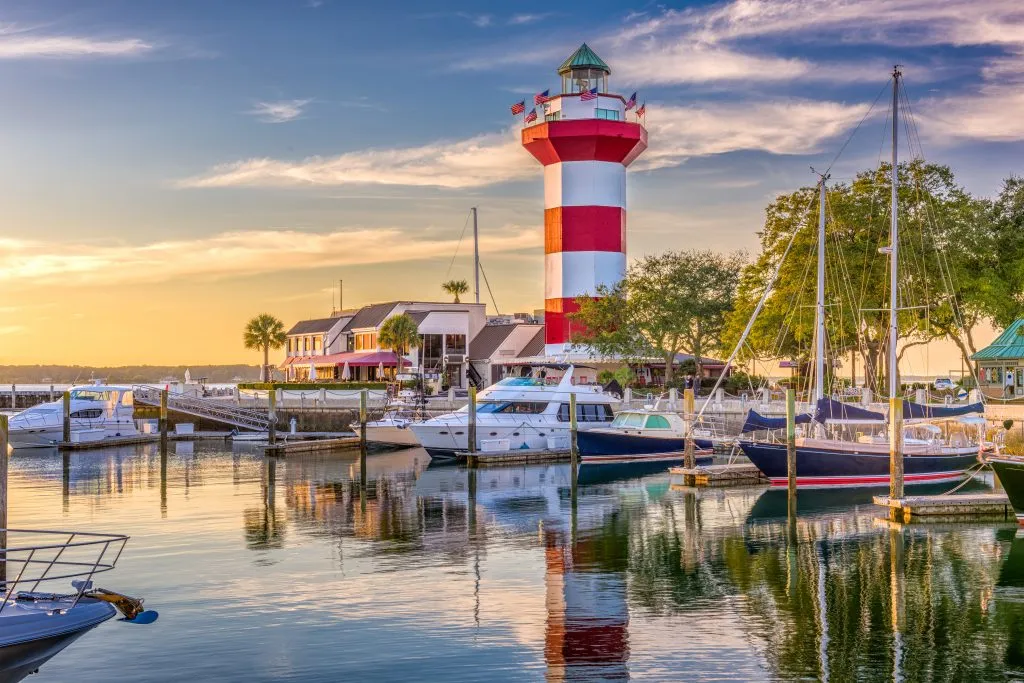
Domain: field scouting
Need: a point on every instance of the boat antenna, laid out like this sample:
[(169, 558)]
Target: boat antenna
[(894, 384)]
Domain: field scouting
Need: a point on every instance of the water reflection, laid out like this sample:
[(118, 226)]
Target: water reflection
[(506, 569)]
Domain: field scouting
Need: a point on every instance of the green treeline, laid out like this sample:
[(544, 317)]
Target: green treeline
[(68, 374)]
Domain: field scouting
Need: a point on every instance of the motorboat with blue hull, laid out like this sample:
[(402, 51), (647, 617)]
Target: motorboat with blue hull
[(651, 435), (36, 625)]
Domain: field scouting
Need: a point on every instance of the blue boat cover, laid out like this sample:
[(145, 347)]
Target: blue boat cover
[(756, 421), (916, 410), (829, 410)]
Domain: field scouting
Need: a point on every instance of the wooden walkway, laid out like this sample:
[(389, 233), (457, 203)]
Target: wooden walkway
[(720, 475), (947, 508), (311, 446), (518, 456)]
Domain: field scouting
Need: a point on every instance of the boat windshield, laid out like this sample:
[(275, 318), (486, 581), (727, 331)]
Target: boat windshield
[(658, 422), (508, 407), (91, 395), (628, 420), (522, 382)]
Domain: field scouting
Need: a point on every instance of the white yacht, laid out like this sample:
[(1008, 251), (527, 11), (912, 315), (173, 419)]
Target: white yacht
[(518, 412), (393, 429), (93, 407)]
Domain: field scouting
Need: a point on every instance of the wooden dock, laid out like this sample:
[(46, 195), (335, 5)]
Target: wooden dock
[(519, 456), (310, 446), (948, 508), (138, 439), (720, 475)]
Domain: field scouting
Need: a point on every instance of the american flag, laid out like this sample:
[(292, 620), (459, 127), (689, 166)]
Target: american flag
[(631, 102), (531, 117), (588, 95), (541, 97), (642, 111), (518, 108)]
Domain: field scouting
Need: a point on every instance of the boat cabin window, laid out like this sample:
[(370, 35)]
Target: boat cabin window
[(522, 382), (511, 407), (586, 412), (91, 395), (628, 420), (87, 414), (658, 422)]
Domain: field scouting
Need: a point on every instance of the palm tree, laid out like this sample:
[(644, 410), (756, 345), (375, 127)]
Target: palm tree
[(455, 288), (400, 334), (264, 332)]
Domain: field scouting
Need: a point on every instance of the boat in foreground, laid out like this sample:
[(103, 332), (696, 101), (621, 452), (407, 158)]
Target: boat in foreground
[(1010, 470), (35, 625)]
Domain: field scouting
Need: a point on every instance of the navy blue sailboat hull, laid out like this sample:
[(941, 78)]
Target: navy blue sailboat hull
[(823, 467), (613, 443)]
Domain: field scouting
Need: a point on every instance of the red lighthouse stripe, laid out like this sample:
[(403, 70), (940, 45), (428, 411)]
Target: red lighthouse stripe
[(584, 228), (585, 140), (556, 320)]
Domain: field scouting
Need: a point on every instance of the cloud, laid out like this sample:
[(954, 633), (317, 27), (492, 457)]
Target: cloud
[(234, 254), (19, 44), (478, 20), (279, 112), (522, 19), (475, 162), (11, 329)]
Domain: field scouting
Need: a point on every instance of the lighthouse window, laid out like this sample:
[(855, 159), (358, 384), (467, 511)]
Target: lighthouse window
[(553, 116), (610, 114)]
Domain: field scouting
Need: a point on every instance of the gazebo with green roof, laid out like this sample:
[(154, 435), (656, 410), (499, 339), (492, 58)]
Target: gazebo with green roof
[(1001, 363), (584, 70)]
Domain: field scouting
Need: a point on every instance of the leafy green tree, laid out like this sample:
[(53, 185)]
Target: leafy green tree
[(456, 288), (264, 332), (667, 304), (945, 261), (399, 333)]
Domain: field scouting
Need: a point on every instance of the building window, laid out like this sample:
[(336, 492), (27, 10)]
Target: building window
[(430, 345), (366, 341), (455, 344), (553, 116), (305, 343), (350, 342), (610, 114), (289, 347)]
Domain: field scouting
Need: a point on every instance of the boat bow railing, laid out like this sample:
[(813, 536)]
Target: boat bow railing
[(31, 558)]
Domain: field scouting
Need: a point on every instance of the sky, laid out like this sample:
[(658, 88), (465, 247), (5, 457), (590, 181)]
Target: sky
[(169, 169)]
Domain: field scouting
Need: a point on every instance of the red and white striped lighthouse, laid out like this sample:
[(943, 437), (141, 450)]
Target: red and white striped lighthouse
[(585, 144)]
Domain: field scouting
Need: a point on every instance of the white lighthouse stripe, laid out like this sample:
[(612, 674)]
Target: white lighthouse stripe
[(568, 274), (585, 183)]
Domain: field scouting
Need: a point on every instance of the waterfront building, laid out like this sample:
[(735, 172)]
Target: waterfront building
[(584, 141), (1000, 365), (349, 339), (498, 343)]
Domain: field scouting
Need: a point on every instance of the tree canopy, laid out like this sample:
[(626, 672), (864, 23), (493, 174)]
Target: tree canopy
[(456, 288), (960, 264), (399, 333), (667, 304), (264, 332)]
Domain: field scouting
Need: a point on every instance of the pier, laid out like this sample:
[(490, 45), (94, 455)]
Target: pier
[(518, 456), (720, 475), (947, 508)]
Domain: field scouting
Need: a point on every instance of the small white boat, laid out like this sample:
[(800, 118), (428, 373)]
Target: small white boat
[(94, 407), (35, 626), (393, 429)]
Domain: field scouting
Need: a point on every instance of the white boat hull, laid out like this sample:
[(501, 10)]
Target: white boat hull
[(391, 434)]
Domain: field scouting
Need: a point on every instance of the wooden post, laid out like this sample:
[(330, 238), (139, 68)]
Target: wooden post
[(689, 456), (163, 415), (67, 417), (51, 393), (574, 454), (896, 447), (3, 495), (14, 397), (363, 397), (272, 415), (791, 441), (471, 427)]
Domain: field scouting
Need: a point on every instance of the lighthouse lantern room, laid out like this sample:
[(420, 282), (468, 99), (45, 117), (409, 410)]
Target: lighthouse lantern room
[(585, 144)]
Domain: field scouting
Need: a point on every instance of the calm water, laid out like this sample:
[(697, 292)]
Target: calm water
[(283, 571)]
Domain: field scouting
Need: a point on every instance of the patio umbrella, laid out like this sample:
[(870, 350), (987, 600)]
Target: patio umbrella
[(188, 376), (344, 372), (312, 372), (380, 370)]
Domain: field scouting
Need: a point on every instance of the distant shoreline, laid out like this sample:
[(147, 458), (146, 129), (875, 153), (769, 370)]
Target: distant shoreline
[(71, 374)]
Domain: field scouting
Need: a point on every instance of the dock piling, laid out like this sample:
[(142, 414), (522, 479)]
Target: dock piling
[(14, 397), (163, 415), (3, 495), (896, 447), (471, 427), (51, 393), (689, 455), (791, 441), (574, 453), (67, 417), (272, 416), (363, 400)]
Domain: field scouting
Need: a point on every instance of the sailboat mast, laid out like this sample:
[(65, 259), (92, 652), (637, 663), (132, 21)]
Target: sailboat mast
[(476, 259), (819, 317), (894, 242)]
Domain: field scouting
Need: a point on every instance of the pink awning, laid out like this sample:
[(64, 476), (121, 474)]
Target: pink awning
[(353, 358)]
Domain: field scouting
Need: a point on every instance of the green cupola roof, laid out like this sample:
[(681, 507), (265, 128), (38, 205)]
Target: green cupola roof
[(583, 58)]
